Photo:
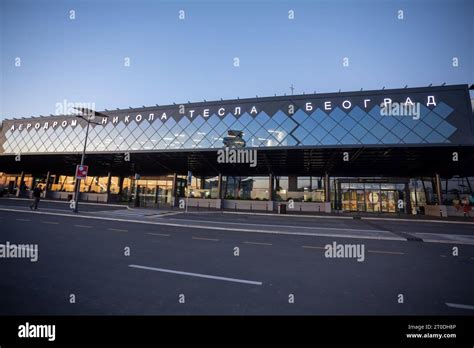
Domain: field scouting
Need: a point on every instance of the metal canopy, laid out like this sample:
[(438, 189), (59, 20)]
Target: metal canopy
[(363, 161)]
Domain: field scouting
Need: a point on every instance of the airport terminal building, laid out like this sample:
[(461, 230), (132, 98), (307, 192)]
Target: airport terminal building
[(384, 151)]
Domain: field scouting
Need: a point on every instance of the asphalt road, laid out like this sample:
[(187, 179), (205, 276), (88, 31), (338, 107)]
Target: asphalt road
[(173, 254)]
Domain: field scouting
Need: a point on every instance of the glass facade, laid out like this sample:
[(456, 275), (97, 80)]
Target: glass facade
[(318, 128)]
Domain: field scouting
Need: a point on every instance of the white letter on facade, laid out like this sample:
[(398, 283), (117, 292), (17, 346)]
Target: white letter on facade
[(327, 105), (345, 102), (431, 100)]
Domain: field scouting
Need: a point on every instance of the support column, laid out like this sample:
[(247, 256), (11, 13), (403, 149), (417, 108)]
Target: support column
[(293, 183), (21, 185), (327, 192), (174, 189), (202, 182), (120, 185), (219, 192), (219, 186), (427, 200), (109, 182), (270, 187), (46, 186), (407, 197), (438, 189)]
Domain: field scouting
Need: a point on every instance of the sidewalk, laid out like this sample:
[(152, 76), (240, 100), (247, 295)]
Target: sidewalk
[(153, 211)]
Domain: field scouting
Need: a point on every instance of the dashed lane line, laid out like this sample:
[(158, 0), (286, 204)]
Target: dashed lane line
[(83, 226), (258, 243), (386, 252), (117, 230), (159, 234), (50, 222), (312, 247), (209, 239)]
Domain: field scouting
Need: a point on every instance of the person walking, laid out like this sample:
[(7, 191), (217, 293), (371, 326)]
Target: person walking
[(36, 197)]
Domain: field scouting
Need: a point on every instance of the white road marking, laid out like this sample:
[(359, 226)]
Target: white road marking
[(235, 280), (159, 234), (446, 238), (351, 218), (386, 252), (162, 223), (282, 226), (211, 239), (457, 305), (117, 229), (83, 226), (50, 222), (23, 219), (312, 247), (168, 214), (258, 243)]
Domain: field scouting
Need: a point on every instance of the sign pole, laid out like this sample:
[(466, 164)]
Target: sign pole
[(78, 180), (190, 177)]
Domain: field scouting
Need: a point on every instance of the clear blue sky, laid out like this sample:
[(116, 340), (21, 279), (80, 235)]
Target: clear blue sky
[(176, 60)]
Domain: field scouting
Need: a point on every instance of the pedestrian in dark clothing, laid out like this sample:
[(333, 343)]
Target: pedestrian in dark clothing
[(36, 197)]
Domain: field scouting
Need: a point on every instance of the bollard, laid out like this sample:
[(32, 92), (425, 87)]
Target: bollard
[(235, 206), (250, 206), (208, 205), (198, 205)]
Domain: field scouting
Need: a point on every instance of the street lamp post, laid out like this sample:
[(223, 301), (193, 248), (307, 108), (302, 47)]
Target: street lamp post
[(90, 114)]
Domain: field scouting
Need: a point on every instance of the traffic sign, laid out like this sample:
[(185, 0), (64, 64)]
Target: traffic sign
[(190, 177), (81, 171)]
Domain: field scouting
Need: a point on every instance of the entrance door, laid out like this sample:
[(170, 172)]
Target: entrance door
[(161, 196), (389, 200)]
